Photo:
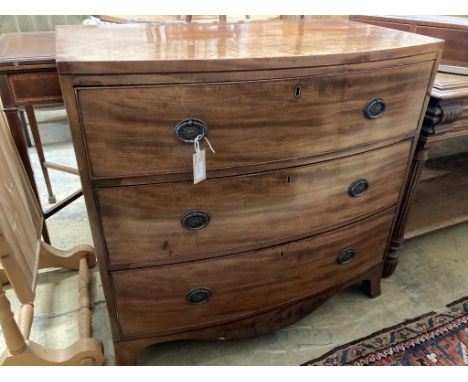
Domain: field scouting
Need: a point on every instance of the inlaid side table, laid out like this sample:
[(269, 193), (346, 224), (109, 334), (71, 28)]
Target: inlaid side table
[(28, 77)]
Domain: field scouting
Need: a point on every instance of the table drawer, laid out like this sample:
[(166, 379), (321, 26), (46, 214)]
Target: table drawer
[(227, 215), (176, 297), (248, 123), (35, 87)]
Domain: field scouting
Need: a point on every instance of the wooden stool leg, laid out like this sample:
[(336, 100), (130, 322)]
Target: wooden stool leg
[(40, 152)]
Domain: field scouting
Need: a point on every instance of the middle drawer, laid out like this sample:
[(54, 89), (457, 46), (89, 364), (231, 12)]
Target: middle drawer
[(226, 215)]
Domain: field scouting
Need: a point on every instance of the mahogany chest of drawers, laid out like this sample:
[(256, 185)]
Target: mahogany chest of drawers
[(313, 125)]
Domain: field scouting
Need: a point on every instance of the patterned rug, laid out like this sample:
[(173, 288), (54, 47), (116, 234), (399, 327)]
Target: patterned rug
[(434, 339)]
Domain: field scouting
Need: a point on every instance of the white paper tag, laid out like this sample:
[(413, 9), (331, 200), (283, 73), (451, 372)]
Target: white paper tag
[(199, 167)]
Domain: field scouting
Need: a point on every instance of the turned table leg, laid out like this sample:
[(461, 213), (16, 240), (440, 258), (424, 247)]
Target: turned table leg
[(396, 242)]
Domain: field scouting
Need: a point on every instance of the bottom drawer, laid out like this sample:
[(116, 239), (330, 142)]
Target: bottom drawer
[(182, 296)]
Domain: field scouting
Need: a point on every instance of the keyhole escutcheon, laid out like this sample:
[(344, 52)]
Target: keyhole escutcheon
[(297, 91)]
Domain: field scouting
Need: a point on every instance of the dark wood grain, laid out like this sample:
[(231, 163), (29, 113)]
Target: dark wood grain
[(246, 211), (248, 122), (245, 284), (256, 168)]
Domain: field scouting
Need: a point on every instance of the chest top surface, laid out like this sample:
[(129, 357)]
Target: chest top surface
[(181, 47)]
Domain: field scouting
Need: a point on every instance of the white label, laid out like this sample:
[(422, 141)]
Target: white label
[(199, 167)]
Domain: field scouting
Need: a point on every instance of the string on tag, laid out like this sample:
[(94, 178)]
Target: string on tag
[(209, 145), (196, 143)]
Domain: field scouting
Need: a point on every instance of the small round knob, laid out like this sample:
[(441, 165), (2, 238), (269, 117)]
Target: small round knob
[(358, 187), (346, 255), (188, 129), (374, 108), (198, 296), (194, 220)]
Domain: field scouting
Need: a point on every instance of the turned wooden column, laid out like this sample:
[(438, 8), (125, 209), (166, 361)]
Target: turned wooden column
[(396, 242), (441, 113), (13, 337)]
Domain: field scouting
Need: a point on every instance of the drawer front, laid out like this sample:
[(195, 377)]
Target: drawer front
[(187, 295), (35, 87), (131, 130), (160, 221)]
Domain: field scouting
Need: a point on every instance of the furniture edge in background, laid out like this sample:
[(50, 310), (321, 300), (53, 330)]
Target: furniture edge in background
[(454, 30), (28, 77), (446, 118)]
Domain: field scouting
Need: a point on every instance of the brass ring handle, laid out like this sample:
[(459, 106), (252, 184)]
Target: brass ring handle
[(358, 187), (195, 220), (374, 108), (189, 129), (346, 256), (198, 296)]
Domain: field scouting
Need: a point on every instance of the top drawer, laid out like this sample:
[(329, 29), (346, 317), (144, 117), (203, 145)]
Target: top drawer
[(130, 130)]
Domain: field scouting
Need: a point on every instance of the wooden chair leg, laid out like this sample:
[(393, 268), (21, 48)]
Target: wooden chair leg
[(51, 257), (14, 339), (40, 151), (25, 320)]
